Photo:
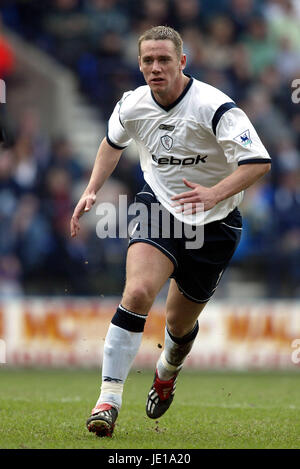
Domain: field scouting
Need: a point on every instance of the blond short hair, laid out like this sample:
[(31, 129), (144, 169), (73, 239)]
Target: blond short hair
[(161, 33)]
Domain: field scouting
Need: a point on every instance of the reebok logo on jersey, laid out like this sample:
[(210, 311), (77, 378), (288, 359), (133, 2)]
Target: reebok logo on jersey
[(167, 127), (177, 162)]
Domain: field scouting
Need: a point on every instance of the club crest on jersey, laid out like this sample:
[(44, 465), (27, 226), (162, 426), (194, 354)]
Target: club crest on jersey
[(167, 142), (244, 138)]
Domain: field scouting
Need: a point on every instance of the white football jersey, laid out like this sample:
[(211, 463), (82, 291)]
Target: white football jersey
[(203, 137)]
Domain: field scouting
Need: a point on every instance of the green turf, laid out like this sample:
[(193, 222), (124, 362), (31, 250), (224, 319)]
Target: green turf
[(48, 409)]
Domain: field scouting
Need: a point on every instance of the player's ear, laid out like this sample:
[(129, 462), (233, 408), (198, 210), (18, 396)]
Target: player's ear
[(140, 63), (183, 62)]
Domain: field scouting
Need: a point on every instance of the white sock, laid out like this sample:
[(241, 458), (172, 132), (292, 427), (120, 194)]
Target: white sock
[(120, 349)]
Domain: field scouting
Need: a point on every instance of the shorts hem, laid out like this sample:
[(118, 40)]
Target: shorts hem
[(158, 246), (189, 297), (145, 192)]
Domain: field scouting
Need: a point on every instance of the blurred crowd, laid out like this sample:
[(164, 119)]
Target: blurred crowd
[(249, 49)]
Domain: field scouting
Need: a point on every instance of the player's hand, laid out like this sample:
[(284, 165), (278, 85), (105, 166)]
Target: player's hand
[(197, 199), (84, 205)]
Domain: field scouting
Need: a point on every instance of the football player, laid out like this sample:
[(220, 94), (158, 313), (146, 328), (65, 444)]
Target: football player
[(197, 148)]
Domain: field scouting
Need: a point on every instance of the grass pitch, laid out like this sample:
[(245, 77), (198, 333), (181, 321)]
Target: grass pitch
[(48, 409)]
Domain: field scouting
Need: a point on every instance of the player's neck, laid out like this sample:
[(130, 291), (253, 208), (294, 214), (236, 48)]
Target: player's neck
[(167, 98)]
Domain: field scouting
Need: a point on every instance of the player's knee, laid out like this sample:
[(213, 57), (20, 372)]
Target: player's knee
[(176, 327), (139, 296), (177, 330)]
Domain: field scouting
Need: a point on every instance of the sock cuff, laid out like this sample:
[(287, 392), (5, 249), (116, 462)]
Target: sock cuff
[(168, 365), (111, 387), (186, 338), (129, 320)]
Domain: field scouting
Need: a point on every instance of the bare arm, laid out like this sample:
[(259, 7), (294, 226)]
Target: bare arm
[(105, 162), (243, 177)]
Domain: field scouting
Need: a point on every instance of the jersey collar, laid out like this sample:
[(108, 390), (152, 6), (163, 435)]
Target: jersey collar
[(170, 106)]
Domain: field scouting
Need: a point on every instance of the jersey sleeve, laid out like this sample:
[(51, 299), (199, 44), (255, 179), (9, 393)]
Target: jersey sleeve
[(238, 138), (116, 134)]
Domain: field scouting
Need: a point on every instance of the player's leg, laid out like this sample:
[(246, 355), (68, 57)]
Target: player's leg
[(180, 333), (147, 270), (198, 276), (181, 313)]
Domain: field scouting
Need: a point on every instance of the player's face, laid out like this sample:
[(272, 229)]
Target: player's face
[(161, 67)]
